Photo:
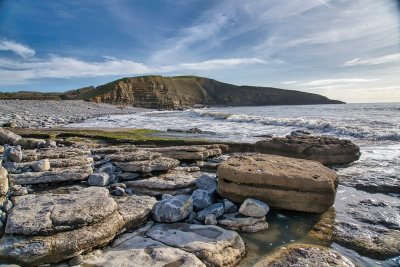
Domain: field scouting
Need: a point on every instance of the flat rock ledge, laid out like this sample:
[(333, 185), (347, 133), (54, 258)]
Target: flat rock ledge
[(283, 183), (147, 166), (305, 255), (326, 150), (213, 245), (194, 152), (50, 228)]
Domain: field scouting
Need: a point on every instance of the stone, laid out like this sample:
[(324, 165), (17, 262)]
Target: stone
[(236, 221), (55, 175), (21, 192), (326, 150), (137, 155), (213, 245), (216, 209), (30, 143), (173, 182), (50, 144), (210, 219), (188, 168), (11, 167), (207, 182), (13, 154), (172, 209), (229, 206), (136, 250), (8, 137), (99, 179), (203, 199), (261, 226), (46, 214), (41, 165), (7, 205), (305, 255), (194, 152), (54, 153), (165, 196), (283, 183), (3, 181), (147, 166), (114, 149), (135, 210), (108, 168), (3, 217), (119, 191), (254, 208)]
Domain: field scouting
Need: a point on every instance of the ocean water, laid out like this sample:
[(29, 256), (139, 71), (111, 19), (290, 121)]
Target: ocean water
[(374, 127)]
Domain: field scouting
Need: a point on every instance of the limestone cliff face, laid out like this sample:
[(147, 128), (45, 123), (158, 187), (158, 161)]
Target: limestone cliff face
[(184, 91)]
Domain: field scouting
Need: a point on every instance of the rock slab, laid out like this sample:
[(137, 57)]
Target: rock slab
[(283, 183)]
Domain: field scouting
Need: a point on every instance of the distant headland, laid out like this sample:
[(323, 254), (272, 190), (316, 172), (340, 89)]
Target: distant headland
[(177, 93)]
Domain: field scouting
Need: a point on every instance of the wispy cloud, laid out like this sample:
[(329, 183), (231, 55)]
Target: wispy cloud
[(337, 81), (290, 82), (373, 61), (19, 49), (221, 63)]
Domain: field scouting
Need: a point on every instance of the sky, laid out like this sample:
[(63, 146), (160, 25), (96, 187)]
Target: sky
[(344, 49)]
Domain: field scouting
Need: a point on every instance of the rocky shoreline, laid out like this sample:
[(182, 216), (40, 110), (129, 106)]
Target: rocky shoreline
[(101, 204)]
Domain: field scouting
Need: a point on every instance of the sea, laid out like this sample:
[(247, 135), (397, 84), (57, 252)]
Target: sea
[(375, 127)]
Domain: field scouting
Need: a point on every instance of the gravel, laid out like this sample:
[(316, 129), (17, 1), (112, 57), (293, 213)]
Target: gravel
[(49, 113)]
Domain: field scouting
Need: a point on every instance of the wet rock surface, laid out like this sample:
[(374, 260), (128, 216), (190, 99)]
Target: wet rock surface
[(326, 150), (283, 183), (305, 255)]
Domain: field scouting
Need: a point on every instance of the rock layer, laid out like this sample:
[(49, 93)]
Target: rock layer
[(283, 183)]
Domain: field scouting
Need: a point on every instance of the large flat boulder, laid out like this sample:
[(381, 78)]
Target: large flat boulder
[(78, 173), (281, 182), (326, 150), (147, 166), (213, 245), (54, 153), (134, 156), (195, 152)]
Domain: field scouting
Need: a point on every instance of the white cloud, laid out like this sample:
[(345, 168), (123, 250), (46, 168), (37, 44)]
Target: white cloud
[(373, 61), (19, 49), (221, 63), (337, 81), (290, 82)]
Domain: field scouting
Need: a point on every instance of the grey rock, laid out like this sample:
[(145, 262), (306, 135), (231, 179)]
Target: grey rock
[(188, 152), (114, 149), (55, 175), (99, 179), (11, 167), (13, 154), (7, 205), (137, 155), (229, 206), (147, 166), (172, 209), (119, 191), (21, 192), (30, 143), (108, 168), (213, 245), (188, 168), (8, 137), (192, 217), (210, 219), (236, 221), (50, 144), (54, 153), (71, 162), (166, 196), (115, 185), (41, 165), (129, 191), (128, 176), (203, 199), (47, 214), (207, 182), (216, 209), (254, 208), (136, 250)]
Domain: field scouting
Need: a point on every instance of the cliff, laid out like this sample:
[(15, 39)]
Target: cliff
[(185, 91)]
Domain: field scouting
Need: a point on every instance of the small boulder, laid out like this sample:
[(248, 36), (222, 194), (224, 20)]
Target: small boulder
[(41, 165), (3, 181), (229, 206), (13, 154), (210, 219), (255, 228), (254, 208), (108, 168), (207, 182), (99, 179), (119, 191), (172, 209), (217, 210), (8, 137)]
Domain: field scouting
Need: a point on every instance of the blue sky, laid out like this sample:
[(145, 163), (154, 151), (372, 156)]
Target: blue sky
[(343, 49)]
